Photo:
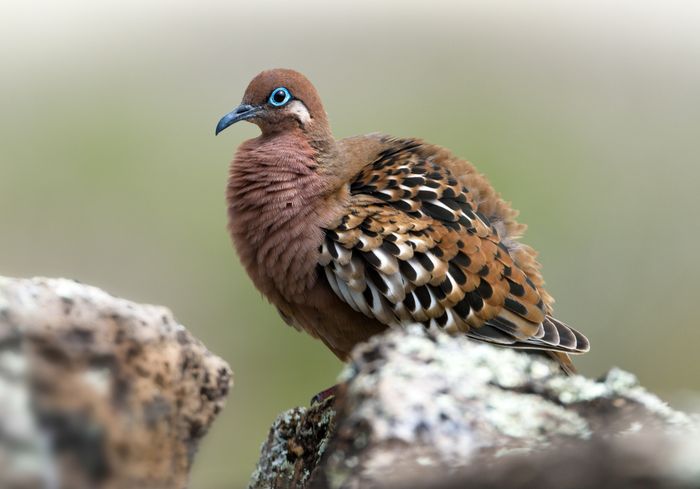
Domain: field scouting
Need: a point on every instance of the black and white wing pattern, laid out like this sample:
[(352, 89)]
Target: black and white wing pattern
[(413, 247)]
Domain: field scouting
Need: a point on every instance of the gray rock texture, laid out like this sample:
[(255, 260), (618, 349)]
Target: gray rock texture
[(98, 392), (416, 409)]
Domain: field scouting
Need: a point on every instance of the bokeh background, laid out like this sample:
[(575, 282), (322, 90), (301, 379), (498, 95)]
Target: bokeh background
[(585, 114)]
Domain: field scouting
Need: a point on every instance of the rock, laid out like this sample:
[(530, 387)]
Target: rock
[(416, 409), (296, 442), (99, 392)]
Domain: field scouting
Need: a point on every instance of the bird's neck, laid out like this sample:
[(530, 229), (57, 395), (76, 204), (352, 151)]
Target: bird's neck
[(278, 203)]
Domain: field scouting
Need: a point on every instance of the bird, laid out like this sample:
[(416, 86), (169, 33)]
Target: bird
[(350, 237)]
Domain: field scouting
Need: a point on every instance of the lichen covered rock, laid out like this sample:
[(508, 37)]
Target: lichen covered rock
[(413, 406), (99, 392), (296, 442)]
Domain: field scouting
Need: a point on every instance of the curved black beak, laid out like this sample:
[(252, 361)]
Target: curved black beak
[(240, 113)]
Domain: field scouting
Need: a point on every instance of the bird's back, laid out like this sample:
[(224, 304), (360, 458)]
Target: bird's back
[(425, 238)]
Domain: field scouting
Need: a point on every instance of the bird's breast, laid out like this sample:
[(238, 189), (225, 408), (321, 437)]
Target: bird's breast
[(277, 207)]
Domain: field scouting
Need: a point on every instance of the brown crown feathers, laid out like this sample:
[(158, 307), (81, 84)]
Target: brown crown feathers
[(348, 237)]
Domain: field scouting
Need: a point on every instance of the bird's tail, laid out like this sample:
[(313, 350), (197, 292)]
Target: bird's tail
[(564, 361)]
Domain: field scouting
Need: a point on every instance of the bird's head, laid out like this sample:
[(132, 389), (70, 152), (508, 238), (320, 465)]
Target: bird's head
[(280, 100)]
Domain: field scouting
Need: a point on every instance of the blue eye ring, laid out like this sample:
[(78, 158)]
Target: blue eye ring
[(279, 97)]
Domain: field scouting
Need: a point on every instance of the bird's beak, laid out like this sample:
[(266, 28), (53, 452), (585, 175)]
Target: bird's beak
[(240, 113)]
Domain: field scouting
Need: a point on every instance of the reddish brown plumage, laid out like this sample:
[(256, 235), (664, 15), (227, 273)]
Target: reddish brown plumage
[(349, 237)]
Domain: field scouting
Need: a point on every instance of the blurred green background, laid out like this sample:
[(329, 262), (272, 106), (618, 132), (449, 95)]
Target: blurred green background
[(585, 114)]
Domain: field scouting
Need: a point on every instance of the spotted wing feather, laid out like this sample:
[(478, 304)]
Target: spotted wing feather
[(413, 247)]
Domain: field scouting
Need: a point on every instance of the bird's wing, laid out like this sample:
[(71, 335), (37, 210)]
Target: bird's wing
[(413, 248)]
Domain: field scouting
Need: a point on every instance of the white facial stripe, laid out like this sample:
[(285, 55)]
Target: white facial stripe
[(300, 111)]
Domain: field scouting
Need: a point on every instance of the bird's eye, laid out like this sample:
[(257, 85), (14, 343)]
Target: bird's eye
[(279, 97)]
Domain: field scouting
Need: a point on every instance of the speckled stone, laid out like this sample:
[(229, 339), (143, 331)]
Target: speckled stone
[(296, 442), (414, 405), (99, 392)]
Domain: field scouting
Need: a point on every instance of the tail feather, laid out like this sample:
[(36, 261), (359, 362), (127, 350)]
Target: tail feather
[(564, 361), (569, 338), (553, 338)]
